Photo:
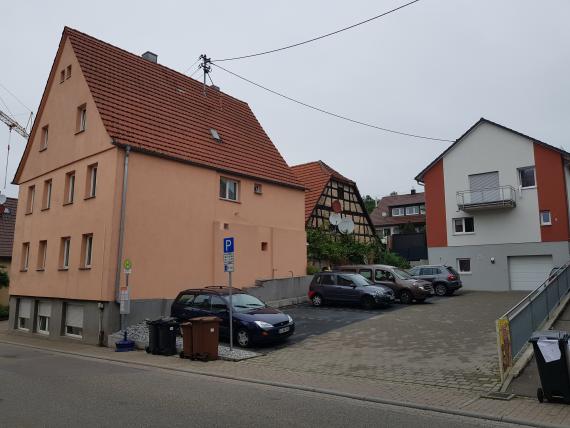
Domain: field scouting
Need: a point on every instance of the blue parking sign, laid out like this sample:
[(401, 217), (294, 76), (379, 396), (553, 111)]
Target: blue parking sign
[(228, 245)]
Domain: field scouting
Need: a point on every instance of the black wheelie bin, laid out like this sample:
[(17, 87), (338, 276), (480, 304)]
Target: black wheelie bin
[(551, 353)]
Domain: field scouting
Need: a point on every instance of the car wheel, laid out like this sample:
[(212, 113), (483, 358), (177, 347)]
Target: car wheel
[(440, 290), (317, 300), (367, 302), (405, 297), (242, 338)]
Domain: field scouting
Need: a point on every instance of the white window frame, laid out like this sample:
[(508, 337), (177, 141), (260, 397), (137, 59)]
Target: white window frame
[(519, 170), (88, 251), (459, 266), (45, 137), (414, 210), (82, 119), (39, 329), (49, 183), (227, 181), (93, 181), (546, 223), (70, 188), (65, 259), (462, 226), (398, 211), (20, 326), (44, 255), (66, 333), (30, 200), (28, 318), (25, 256)]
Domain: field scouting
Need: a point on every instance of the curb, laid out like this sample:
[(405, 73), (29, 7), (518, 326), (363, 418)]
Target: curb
[(323, 391)]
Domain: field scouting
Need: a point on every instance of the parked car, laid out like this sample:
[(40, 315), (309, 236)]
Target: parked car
[(444, 279), (253, 321), (348, 288), (406, 288)]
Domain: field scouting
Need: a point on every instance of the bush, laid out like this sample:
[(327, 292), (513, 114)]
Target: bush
[(4, 310), (311, 270)]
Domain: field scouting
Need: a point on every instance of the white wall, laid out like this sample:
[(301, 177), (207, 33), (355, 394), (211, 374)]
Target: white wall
[(489, 148)]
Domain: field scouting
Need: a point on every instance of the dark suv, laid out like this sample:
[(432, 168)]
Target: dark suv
[(253, 321), (348, 288), (444, 279)]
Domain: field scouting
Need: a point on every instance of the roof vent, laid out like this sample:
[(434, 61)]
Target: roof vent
[(149, 56), (215, 135), (413, 192)]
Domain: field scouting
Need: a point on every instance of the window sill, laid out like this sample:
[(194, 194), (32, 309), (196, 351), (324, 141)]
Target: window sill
[(86, 198), (43, 149), (40, 269), (23, 270), (85, 268), (528, 188), (23, 329), (463, 233), (80, 132), (229, 200), (67, 203), (546, 224), (28, 212), (73, 336), (43, 333), (45, 209), (63, 269)]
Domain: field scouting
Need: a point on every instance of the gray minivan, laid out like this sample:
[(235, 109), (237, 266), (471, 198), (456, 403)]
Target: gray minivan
[(406, 288)]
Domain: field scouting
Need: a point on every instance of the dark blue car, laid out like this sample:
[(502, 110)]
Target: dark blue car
[(253, 321)]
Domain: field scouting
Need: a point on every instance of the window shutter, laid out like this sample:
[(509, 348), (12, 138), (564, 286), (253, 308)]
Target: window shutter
[(484, 187), (74, 316), (25, 309), (44, 309)]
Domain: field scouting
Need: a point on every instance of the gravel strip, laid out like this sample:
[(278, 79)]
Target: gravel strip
[(139, 334)]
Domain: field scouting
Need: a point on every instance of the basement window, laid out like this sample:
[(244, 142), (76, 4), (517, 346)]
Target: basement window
[(74, 321), (24, 314)]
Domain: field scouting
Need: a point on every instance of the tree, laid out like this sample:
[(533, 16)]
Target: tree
[(4, 278), (369, 203)]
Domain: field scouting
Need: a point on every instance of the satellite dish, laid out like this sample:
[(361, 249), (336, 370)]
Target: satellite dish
[(346, 226), (2, 199), (335, 219)]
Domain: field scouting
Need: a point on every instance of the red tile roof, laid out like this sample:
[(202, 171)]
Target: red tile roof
[(315, 176), (160, 111), (396, 201), (7, 224)]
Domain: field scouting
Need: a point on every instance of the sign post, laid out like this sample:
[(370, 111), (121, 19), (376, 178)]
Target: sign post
[(229, 268), (125, 309)]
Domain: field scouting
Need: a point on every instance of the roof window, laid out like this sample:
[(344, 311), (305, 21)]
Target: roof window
[(215, 135)]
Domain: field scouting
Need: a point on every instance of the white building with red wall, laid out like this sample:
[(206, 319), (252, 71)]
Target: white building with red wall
[(497, 208)]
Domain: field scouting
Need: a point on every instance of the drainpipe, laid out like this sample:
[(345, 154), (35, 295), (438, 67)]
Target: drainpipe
[(122, 223)]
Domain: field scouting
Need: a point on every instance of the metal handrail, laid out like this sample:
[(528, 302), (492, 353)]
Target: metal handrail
[(510, 314), (501, 189)]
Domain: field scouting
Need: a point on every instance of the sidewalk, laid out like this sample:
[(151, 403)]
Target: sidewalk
[(445, 399)]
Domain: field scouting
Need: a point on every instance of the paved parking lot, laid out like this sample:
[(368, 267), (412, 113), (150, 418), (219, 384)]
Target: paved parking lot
[(447, 342)]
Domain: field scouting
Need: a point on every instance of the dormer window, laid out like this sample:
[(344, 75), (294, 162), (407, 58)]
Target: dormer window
[(399, 211)]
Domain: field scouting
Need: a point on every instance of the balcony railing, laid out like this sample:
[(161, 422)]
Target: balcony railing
[(491, 198)]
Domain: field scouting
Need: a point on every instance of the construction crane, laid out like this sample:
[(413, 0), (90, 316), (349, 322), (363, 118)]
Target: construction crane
[(13, 125)]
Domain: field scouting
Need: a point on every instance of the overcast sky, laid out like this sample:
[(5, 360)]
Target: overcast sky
[(433, 68)]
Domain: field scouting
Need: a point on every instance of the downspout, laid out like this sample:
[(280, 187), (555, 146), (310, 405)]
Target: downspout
[(122, 223)]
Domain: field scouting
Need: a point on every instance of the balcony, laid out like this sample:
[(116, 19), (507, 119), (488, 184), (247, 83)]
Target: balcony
[(485, 199)]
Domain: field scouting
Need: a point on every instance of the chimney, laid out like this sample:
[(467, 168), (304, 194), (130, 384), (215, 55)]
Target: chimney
[(413, 192), (149, 56)]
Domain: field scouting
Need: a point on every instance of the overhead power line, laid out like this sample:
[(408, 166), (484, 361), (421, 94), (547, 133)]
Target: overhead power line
[(318, 37), (16, 98), (338, 116)]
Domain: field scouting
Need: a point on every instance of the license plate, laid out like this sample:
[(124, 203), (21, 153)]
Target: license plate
[(283, 330)]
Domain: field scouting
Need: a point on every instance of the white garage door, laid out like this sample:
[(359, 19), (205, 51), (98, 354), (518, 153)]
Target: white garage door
[(528, 272)]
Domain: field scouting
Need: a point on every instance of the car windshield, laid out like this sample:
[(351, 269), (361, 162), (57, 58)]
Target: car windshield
[(358, 279), (401, 274), (245, 302)]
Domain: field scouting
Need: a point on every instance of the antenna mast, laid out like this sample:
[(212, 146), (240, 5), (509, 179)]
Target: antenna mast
[(206, 67)]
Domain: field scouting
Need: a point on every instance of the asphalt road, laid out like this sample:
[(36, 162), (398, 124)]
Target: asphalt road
[(40, 388)]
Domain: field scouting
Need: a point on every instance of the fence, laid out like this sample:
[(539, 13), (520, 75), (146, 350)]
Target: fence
[(517, 325), (411, 246)]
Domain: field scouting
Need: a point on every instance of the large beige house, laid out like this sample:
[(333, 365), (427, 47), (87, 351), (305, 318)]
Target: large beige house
[(129, 159)]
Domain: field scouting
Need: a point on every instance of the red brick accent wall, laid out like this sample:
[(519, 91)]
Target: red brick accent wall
[(551, 189), (436, 229)]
